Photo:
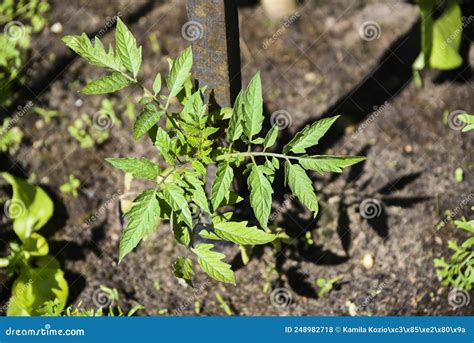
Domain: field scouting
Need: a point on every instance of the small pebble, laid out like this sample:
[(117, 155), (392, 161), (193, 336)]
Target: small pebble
[(57, 28), (78, 103), (438, 240), (368, 261), (39, 124), (408, 149), (310, 77)]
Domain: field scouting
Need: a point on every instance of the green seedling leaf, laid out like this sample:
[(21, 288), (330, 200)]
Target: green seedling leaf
[(240, 233), (138, 167), (260, 194), (106, 84), (221, 185), (212, 264), (309, 136), (180, 72), (301, 185), (146, 120), (142, 220), (130, 55), (183, 269)]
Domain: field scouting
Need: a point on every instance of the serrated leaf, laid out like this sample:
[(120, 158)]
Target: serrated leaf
[(235, 123), (106, 84), (183, 269), (174, 196), (329, 164), (260, 194), (240, 233), (127, 50), (209, 235), (138, 167), (198, 193), (180, 231), (253, 107), (309, 136), (301, 185), (180, 71), (146, 120), (142, 220), (157, 84), (271, 137), (164, 143), (212, 264), (94, 53), (221, 185)]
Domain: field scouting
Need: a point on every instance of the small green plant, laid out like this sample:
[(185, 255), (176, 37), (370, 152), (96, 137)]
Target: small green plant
[(86, 133), (459, 269), (46, 114), (19, 20), (223, 304), (467, 119), (326, 285), (440, 37), (39, 278), (71, 186), (198, 136), (10, 137), (54, 308)]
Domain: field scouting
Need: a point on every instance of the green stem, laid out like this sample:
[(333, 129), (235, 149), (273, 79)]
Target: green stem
[(255, 154)]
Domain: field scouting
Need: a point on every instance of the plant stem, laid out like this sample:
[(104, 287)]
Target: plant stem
[(255, 154)]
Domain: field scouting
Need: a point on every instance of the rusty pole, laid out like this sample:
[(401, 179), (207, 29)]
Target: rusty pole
[(215, 44)]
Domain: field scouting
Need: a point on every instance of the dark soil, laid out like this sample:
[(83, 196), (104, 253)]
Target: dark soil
[(319, 66)]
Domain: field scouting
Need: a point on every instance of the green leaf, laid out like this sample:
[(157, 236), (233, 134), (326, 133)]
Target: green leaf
[(197, 190), (447, 34), (36, 245), (221, 185), (180, 231), (329, 164), (146, 120), (301, 186), (30, 207), (142, 220), (260, 194), (235, 123), (253, 107), (138, 167), (157, 84), (309, 136), (106, 84), (180, 71), (467, 119), (183, 269), (174, 196), (240, 233), (127, 50), (95, 53), (271, 137), (164, 143), (212, 264), (36, 286)]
